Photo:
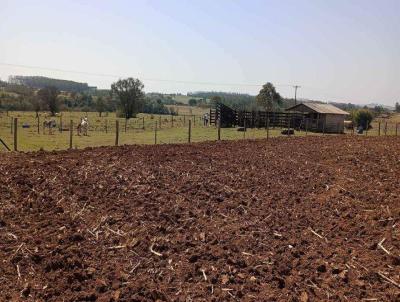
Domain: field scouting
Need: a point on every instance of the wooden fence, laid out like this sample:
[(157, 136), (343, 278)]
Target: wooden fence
[(228, 117)]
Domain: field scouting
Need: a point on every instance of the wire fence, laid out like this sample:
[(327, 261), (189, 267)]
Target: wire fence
[(26, 132)]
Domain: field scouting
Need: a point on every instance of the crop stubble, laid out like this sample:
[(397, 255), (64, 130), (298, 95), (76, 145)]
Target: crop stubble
[(299, 219)]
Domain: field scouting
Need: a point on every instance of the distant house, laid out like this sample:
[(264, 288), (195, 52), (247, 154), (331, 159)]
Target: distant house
[(321, 117)]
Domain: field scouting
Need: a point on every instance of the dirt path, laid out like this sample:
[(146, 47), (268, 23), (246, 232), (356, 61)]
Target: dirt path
[(296, 219)]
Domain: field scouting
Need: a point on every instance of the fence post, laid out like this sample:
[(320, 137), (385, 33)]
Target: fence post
[(71, 131), (244, 126), (11, 124), (190, 131), (265, 120), (38, 124), (155, 133), (306, 126), (143, 123), (379, 129), (219, 129), (15, 134), (116, 132), (126, 122)]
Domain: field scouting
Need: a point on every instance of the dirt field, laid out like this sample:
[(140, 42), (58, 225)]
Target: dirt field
[(289, 219)]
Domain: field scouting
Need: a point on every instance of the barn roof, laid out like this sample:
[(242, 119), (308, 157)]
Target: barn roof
[(320, 108)]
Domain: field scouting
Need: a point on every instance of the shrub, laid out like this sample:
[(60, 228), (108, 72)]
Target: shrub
[(362, 117)]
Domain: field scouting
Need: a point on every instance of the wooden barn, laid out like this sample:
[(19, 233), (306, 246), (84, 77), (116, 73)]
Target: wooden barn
[(321, 117)]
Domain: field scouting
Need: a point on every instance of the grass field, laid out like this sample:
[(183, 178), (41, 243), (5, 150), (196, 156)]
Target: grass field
[(173, 130), (189, 110), (139, 130)]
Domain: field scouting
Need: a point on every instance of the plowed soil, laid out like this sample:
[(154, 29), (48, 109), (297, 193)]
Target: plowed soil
[(298, 219)]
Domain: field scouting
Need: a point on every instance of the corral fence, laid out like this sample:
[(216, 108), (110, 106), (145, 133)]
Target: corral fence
[(228, 117), (108, 130), (62, 123), (17, 127)]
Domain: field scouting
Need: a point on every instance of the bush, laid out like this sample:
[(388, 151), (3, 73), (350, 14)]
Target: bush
[(362, 117), (192, 102)]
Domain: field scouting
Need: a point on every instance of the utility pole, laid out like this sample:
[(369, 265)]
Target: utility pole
[(295, 93)]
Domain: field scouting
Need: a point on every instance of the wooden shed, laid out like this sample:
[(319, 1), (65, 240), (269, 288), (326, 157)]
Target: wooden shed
[(321, 117)]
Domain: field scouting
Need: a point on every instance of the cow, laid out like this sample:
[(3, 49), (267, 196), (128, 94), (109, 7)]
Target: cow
[(83, 126), (50, 124)]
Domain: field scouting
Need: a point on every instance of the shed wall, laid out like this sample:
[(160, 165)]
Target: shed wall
[(334, 123)]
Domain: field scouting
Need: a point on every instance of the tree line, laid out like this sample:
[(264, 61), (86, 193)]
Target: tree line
[(39, 82), (126, 97)]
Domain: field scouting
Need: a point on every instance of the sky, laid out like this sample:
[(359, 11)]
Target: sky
[(335, 50)]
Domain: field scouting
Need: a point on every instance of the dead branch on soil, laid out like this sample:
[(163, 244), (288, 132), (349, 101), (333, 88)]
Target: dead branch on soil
[(17, 250), (153, 251), (380, 245), (204, 274), (318, 235), (118, 232), (388, 279), (18, 272), (12, 235), (117, 247), (135, 267)]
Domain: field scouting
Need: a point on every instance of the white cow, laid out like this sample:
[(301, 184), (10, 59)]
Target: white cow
[(83, 126)]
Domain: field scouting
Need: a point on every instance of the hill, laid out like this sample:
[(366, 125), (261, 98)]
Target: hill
[(38, 82)]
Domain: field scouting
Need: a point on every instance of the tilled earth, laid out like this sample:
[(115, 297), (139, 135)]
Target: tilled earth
[(289, 219)]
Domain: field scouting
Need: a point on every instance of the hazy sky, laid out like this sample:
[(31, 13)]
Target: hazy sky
[(336, 50)]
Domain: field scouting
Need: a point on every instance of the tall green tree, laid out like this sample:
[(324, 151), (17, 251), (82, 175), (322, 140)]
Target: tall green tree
[(268, 97), (192, 102), (362, 117), (100, 105), (36, 104), (216, 98), (130, 95), (49, 96)]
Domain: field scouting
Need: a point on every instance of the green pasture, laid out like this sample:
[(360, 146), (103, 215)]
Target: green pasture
[(102, 131)]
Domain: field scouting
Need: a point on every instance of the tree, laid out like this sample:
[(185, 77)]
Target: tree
[(216, 99), (36, 104), (379, 109), (130, 95), (362, 117), (268, 97), (49, 96), (192, 102), (397, 107), (100, 105)]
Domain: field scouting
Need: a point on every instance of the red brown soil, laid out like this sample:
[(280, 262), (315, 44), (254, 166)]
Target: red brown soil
[(295, 219)]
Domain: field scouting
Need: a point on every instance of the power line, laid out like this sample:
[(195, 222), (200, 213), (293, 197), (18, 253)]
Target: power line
[(144, 79)]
